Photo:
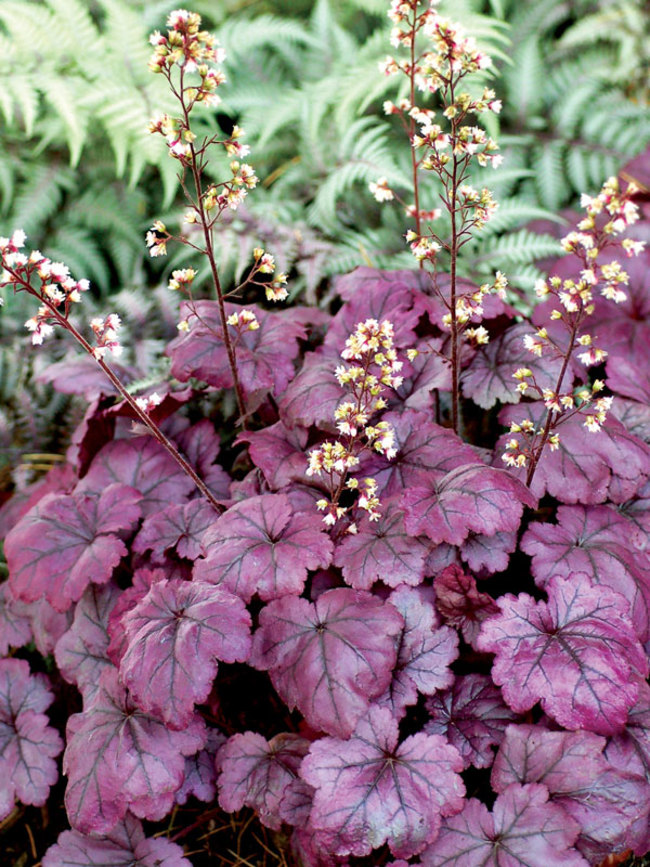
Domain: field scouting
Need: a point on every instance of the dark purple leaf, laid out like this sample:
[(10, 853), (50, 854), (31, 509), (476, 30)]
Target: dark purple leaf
[(67, 541), (129, 598), (489, 378), (430, 370), (381, 551), (120, 759), (59, 480), (48, 625), (523, 830), (175, 527), (331, 658), (593, 540), (175, 636), (262, 546), (630, 748), (472, 716), (28, 745), (426, 650), (125, 846), (84, 376), (258, 773), (314, 394), (201, 772), (634, 415), (15, 624), (469, 498), (488, 553), (629, 375), (637, 513), (603, 801), (81, 653), (279, 452), (370, 791), (425, 453), (375, 294), (142, 464), (264, 357), (461, 604), (200, 445), (589, 468), (575, 653)]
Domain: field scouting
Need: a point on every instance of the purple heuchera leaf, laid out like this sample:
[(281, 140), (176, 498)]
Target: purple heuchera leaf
[(175, 635), (428, 371), (258, 773), (461, 604), (15, 625), (374, 294), (81, 653), (370, 791), (312, 397), (331, 658), (488, 379), (262, 546), (470, 498), (523, 830), (175, 527), (264, 357), (142, 464), (629, 375), (604, 801), (472, 716), (593, 540), (200, 445), (128, 599), (426, 452), (67, 541), (488, 553), (381, 551), (426, 650), (576, 653), (28, 745), (125, 846), (630, 748), (200, 771), (279, 451), (587, 467), (120, 759)]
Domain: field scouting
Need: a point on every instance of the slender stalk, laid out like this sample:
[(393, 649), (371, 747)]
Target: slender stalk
[(453, 252), (158, 435), (414, 160), (546, 430), (209, 252)]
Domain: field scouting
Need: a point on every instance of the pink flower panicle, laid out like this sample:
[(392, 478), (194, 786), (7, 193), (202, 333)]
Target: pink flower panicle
[(608, 214), (48, 281), (373, 368)]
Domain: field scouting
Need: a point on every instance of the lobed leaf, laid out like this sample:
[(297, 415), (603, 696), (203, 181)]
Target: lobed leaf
[(65, 542), (330, 658), (175, 635), (472, 716), (262, 545), (370, 791), (576, 653), (118, 758)]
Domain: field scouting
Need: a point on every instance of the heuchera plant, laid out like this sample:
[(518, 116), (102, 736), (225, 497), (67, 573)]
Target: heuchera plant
[(412, 616)]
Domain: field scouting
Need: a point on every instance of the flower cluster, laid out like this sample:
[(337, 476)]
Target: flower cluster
[(48, 281), (437, 58), (608, 214), (448, 58), (375, 368), (106, 339)]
